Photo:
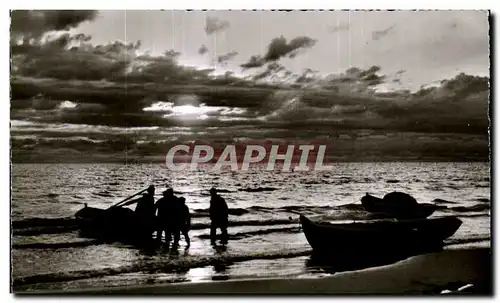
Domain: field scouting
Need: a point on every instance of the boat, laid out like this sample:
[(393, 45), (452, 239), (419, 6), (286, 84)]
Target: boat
[(113, 224), (398, 205), (372, 237)]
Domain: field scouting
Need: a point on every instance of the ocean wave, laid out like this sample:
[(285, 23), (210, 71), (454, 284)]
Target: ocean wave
[(482, 185), (283, 209), (105, 194), (467, 240), (476, 207), (249, 223), (442, 201), (473, 215), (38, 222), (224, 191), (247, 234), (204, 212), (56, 245), (258, 189), (163, 265), (392, 181), (33, 226), (314, 182), (352, 211), (39, 230)]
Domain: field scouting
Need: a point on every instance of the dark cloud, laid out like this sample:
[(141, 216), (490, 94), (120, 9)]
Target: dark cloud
[(254, 62), (338, 28), (436, 122), (222, 59), (377, 35), (459, 87), (307, 76), (33, 24), (400, 72), (273, 71), (109, 85), (214, 25), (353, 80), (279, 48), (72, 57), (397, 76), (203, 50)]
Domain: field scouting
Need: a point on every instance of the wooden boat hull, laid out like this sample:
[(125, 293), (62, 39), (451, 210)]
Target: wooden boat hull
[(395, 210), (382, 236), (119, 224)]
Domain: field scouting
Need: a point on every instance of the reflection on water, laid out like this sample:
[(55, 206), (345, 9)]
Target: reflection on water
[(199, 274)]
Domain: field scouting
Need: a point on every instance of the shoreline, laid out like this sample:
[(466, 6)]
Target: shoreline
[(422, 274)]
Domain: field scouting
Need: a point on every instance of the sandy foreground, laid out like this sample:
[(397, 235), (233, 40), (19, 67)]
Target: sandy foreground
[(424, 274)]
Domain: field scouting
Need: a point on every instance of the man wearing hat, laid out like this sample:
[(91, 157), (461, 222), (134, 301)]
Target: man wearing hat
[(219, 213)]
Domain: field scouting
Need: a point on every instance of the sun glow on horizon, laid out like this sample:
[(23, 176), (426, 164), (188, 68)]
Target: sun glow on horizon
[(190, 111)]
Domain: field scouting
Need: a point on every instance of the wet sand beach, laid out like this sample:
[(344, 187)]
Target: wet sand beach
[(433, 273)]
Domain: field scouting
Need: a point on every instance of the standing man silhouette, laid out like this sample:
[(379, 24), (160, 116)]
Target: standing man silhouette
[(219, 213)]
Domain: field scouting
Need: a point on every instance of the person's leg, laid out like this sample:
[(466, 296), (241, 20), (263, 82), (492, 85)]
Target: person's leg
[(168, 235), (224, 234), (177, 236), (185, 233), (213, 232), (159, 233)]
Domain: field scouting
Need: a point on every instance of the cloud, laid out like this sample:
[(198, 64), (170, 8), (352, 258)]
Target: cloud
[(337, 28), (459, 87), (88, 82), (377, 35), (214, 25), (451, 116), (31, 24), (203, 50), (279, 48), (194, 111), (68, 57), (222, 59), (46, 51), (254, 62), (273, 71)]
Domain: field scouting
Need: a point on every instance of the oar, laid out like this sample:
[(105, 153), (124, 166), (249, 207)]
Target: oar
[(122, 201)]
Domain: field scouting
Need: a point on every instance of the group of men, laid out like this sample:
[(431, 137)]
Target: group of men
[(171, 215)]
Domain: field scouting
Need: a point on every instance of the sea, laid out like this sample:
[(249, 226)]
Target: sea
[(47, 252)]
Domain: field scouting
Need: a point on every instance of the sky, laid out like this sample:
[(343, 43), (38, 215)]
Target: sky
[(427, 45), (100, 85)]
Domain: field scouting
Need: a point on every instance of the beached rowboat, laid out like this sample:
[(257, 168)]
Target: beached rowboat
[(378, 236)]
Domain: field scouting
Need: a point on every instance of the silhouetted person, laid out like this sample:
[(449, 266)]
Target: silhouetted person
[(145, 211), (219, 213), (146, 205), (186, 220), (168, 217)]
